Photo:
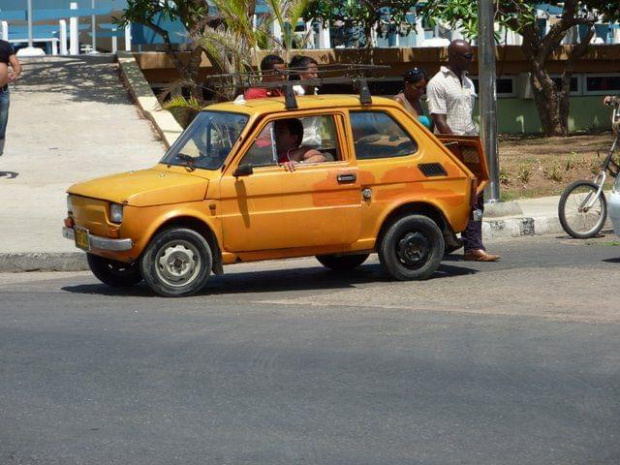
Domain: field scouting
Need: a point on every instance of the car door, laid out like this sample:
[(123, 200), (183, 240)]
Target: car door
[(270, 208)]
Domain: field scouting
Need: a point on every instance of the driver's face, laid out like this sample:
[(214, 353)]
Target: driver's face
[(284, 139)]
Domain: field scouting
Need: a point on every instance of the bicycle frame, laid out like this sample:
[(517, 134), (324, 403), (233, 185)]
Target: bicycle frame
[(600, 179)]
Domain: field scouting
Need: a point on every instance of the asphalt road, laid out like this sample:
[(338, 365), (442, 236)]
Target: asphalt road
[(515, 362)]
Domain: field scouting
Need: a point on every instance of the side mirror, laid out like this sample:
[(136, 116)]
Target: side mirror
[(243, 170)]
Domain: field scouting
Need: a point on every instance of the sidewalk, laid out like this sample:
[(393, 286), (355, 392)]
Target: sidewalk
[(71, 119)]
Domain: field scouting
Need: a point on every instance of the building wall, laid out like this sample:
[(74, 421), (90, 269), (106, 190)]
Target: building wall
[(519, 116)]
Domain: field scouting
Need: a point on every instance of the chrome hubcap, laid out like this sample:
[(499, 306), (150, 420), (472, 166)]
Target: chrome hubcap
[(178, 264)]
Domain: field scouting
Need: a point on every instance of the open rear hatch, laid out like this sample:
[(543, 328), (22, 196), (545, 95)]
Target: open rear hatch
[(468, 149)]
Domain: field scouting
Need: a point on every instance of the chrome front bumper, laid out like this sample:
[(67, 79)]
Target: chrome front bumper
[(101, 243)]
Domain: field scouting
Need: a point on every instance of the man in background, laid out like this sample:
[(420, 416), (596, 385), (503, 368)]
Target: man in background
[(271, 68), (451, 99), (10, 69)]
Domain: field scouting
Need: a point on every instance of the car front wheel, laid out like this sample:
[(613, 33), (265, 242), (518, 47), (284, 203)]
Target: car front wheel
[(113, 273), (177, 262), (412, 248)]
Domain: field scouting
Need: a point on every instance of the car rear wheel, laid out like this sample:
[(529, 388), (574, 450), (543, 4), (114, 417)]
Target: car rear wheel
[(112, 272), (177, 262), (412, 248), (342, 262)]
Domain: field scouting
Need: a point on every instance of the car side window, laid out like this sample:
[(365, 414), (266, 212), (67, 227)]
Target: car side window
[(377, 135), (263, 150), (319, 133)]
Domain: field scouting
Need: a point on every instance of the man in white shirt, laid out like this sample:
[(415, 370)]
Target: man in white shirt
[(451, 98)]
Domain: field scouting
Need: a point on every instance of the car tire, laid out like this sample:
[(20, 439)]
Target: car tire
[(342, 262), (112, 272), (412, 248), (177, 262)]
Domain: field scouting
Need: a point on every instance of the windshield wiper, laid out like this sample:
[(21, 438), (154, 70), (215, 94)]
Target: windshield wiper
[(190, 163)]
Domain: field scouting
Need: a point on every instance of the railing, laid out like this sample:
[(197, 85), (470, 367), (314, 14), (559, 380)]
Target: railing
[(60, 39)]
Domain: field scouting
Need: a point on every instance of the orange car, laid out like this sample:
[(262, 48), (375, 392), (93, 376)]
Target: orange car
[(221, 195)]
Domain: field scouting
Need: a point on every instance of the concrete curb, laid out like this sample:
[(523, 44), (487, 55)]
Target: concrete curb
[(164, 123), (43, 261), (498, 228)]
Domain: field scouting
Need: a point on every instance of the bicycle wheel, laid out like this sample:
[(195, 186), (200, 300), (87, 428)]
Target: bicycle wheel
[(576, 218)]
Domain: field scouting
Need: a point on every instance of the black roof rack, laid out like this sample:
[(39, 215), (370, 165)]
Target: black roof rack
[(354, 74)]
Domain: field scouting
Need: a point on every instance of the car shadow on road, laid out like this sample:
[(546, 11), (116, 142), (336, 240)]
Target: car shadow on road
[(280, 280)]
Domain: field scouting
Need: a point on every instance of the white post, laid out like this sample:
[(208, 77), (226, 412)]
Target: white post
[(310, 35), (63, 37), (277, 31), (128, 37), (419, 32), (114, 41), (324, 39), (5, 30), (93, 32), (30, 43), (74, 33), (54, 47)]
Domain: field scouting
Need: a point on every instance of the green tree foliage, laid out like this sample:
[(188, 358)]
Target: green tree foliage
[(193, 14), (228, 33), (365, 16), (233, 45), (539, 46)]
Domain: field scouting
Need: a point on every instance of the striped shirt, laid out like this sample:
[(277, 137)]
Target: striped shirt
[(446, 96)]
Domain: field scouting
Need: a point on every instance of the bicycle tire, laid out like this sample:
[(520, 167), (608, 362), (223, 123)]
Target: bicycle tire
[(577, 223)]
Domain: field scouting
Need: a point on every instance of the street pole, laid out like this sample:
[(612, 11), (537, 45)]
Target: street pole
[(93, 32), (30, 41), (488, 95)]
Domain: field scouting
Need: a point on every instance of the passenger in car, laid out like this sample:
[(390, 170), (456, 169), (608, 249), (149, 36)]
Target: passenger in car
[(306, 68), (271, 68), (302, 68), (289, 133)]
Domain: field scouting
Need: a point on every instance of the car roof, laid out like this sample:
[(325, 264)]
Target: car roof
[(310, 102)]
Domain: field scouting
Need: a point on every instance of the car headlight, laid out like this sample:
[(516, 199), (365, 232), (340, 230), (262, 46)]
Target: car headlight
[(69, 205), (116, 213)]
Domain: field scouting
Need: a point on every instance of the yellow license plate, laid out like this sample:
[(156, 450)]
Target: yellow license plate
[(81, 238)]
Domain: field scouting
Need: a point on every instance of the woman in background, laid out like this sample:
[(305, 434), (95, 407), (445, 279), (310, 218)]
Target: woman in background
[(415, 81)]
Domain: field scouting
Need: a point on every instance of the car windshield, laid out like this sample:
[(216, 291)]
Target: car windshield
[(207, 141)]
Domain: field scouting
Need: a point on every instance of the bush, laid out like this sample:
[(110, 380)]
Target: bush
[(525, 174)]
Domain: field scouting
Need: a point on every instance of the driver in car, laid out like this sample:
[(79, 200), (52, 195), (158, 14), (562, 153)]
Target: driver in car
[(289, 133)]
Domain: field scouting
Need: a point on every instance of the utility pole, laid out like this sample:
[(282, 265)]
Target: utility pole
[(488, 95), (30, 41)]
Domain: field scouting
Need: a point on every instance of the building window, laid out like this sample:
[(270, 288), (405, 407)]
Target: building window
[(602, 84), (505, 86)]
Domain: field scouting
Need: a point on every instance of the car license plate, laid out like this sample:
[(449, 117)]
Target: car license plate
[(82, 239)]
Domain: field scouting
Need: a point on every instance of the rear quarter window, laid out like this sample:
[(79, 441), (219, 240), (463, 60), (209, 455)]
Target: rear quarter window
[(377, 135)]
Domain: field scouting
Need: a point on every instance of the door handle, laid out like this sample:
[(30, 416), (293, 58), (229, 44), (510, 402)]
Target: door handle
[(348, 178)]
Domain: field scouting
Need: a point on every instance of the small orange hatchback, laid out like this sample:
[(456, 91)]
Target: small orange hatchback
[(252, 180)]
